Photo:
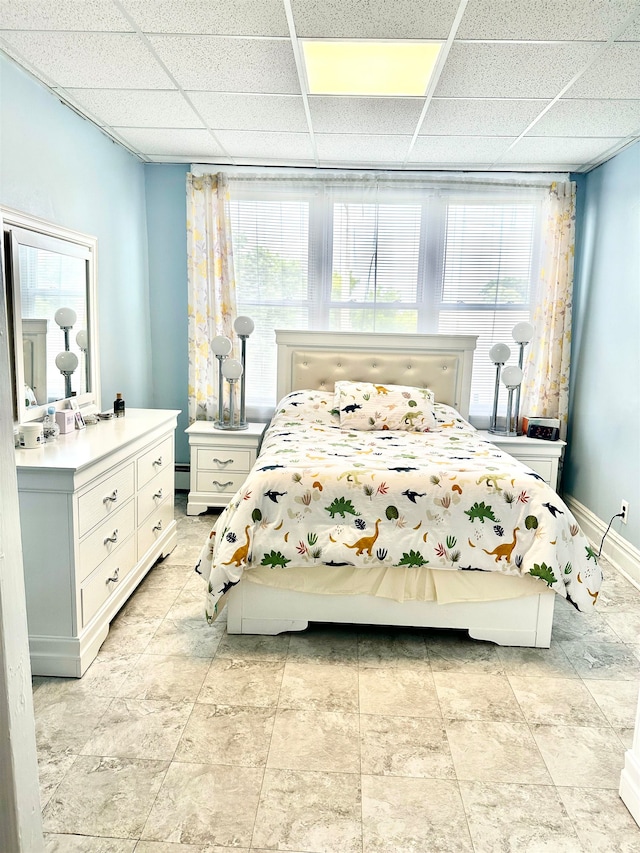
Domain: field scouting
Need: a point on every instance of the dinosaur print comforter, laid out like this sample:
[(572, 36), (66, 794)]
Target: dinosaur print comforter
[(319, 495)]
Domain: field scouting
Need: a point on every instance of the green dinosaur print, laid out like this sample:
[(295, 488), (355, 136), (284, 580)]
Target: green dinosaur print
[(340, 506), (591, 554), (413, 558), (480, 511), (543, 571), (273, 559), (491, 480), (531, 522)]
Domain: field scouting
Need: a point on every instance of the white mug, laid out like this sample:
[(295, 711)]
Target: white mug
[(31, 435)]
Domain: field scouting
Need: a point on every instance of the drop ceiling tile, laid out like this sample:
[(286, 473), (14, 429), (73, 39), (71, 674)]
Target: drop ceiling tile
[(616, 74), (544, 149), (136, 107), (479, 117), (96, 15), (251, 112), (506, 70), (365, 148), (266, 146), (91, 60), (188, 143), (570, 20), (365, 115), (219, 64), (632, 33), (589, 118), (374, 19), (224, 17), (458, 149)]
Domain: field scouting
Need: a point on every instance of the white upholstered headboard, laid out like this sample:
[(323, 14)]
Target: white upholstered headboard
[(318, 359)]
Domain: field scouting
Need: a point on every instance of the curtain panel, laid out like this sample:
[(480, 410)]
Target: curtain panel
[(211, 286)]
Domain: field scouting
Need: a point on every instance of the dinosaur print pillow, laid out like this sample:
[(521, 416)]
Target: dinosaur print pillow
[(367, 406)]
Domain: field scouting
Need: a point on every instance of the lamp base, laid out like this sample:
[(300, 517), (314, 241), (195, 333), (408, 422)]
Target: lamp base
[(230, 427), (509, 432)]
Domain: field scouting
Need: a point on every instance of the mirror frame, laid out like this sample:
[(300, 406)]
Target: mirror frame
[(14, 222)]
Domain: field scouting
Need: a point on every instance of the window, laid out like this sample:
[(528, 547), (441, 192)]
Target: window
[(383, 257)]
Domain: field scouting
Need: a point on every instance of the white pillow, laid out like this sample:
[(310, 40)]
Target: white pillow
[(367, 406)]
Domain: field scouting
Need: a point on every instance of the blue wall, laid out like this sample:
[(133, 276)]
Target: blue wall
[(56, 165), (166, 193), (603, 455)]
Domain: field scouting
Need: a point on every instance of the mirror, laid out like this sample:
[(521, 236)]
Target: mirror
[(50, 274)]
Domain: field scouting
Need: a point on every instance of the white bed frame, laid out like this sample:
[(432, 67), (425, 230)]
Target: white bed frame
[(443, 363)]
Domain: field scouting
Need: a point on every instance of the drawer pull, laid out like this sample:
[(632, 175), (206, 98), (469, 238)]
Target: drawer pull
[(158, 526), (157, 461), (158, 494), (112, 538), (112, 498), (115, 577), (221, 485), (222, 461)]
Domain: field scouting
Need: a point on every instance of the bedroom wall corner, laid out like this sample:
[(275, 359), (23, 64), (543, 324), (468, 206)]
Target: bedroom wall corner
[(602, 465), (60, 167)]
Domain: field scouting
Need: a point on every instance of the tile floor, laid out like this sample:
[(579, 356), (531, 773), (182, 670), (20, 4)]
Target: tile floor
[(181, 739)]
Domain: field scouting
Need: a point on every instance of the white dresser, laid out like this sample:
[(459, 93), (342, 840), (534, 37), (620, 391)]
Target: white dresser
[(96, 512)]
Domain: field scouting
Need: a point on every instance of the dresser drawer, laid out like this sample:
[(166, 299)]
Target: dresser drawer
[(106, 579), (105, 499), (106, 539), (224, 459), (159, 458), (154, 493), (225, 482), (154, 527)]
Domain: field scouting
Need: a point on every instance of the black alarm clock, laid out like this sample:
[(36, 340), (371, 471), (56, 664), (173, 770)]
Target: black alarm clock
[(548, 433)]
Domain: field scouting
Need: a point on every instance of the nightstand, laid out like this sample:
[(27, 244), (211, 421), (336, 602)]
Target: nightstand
[(220, 462), (542, 456)]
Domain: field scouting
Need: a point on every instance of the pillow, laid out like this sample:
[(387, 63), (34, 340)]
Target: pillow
[(367, 406)]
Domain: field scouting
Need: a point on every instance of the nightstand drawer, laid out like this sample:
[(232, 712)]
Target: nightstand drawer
[(227, 482), (155, 460), (106, 539), (154, 493), (223, 459), (103, 500), (106, 579), (544, 467)]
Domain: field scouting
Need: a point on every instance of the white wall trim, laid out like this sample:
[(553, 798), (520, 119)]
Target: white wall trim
[(621, 554)]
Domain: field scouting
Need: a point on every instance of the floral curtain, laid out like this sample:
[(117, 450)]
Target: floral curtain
[(211, 285), (546, 386)]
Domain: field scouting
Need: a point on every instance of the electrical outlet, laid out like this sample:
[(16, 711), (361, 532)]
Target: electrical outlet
[(624, 511)]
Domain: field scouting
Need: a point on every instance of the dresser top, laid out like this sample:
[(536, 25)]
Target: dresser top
[(79, 448)]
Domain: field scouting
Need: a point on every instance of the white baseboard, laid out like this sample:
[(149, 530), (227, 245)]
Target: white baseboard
[(621, 554)]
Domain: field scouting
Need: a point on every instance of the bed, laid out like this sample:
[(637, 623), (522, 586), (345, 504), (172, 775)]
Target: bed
[(343, 519)]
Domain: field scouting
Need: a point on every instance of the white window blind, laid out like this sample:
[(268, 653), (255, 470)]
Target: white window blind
[(384, 257)]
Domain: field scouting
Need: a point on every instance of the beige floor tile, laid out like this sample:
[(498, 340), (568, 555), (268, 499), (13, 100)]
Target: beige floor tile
[(618, 700), (165, 677), (578, 756), (253, 647), (599, 659), (550, 663), (205, 804), (396, 648), (67, 722), (162, 847), (601, 820), (133, 728), (151, 602), (58, 843), (561, 701), (517, 818), (313, 812), (168, 576), (495, 752), (324, 644), (570, 624), (186, 552), (109, 797), (52, 767), (616, 593), (315, 740), (227, 734), (319, 687), (130, 634), (104, 678), (626, 624), (407, 815), (457, 652), (186, 638), (626, 737), (476, 696), (398, 692), (405, 746), (242, 682)]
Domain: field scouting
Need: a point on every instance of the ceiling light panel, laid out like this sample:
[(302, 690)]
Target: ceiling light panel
[(570, 20), (369, 67), (137, 108), (508, 70), (224, 17), (91, 60), (374, 19), (251, 112), (365, 115), (98, 16), (479, 117), (218, 64)]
